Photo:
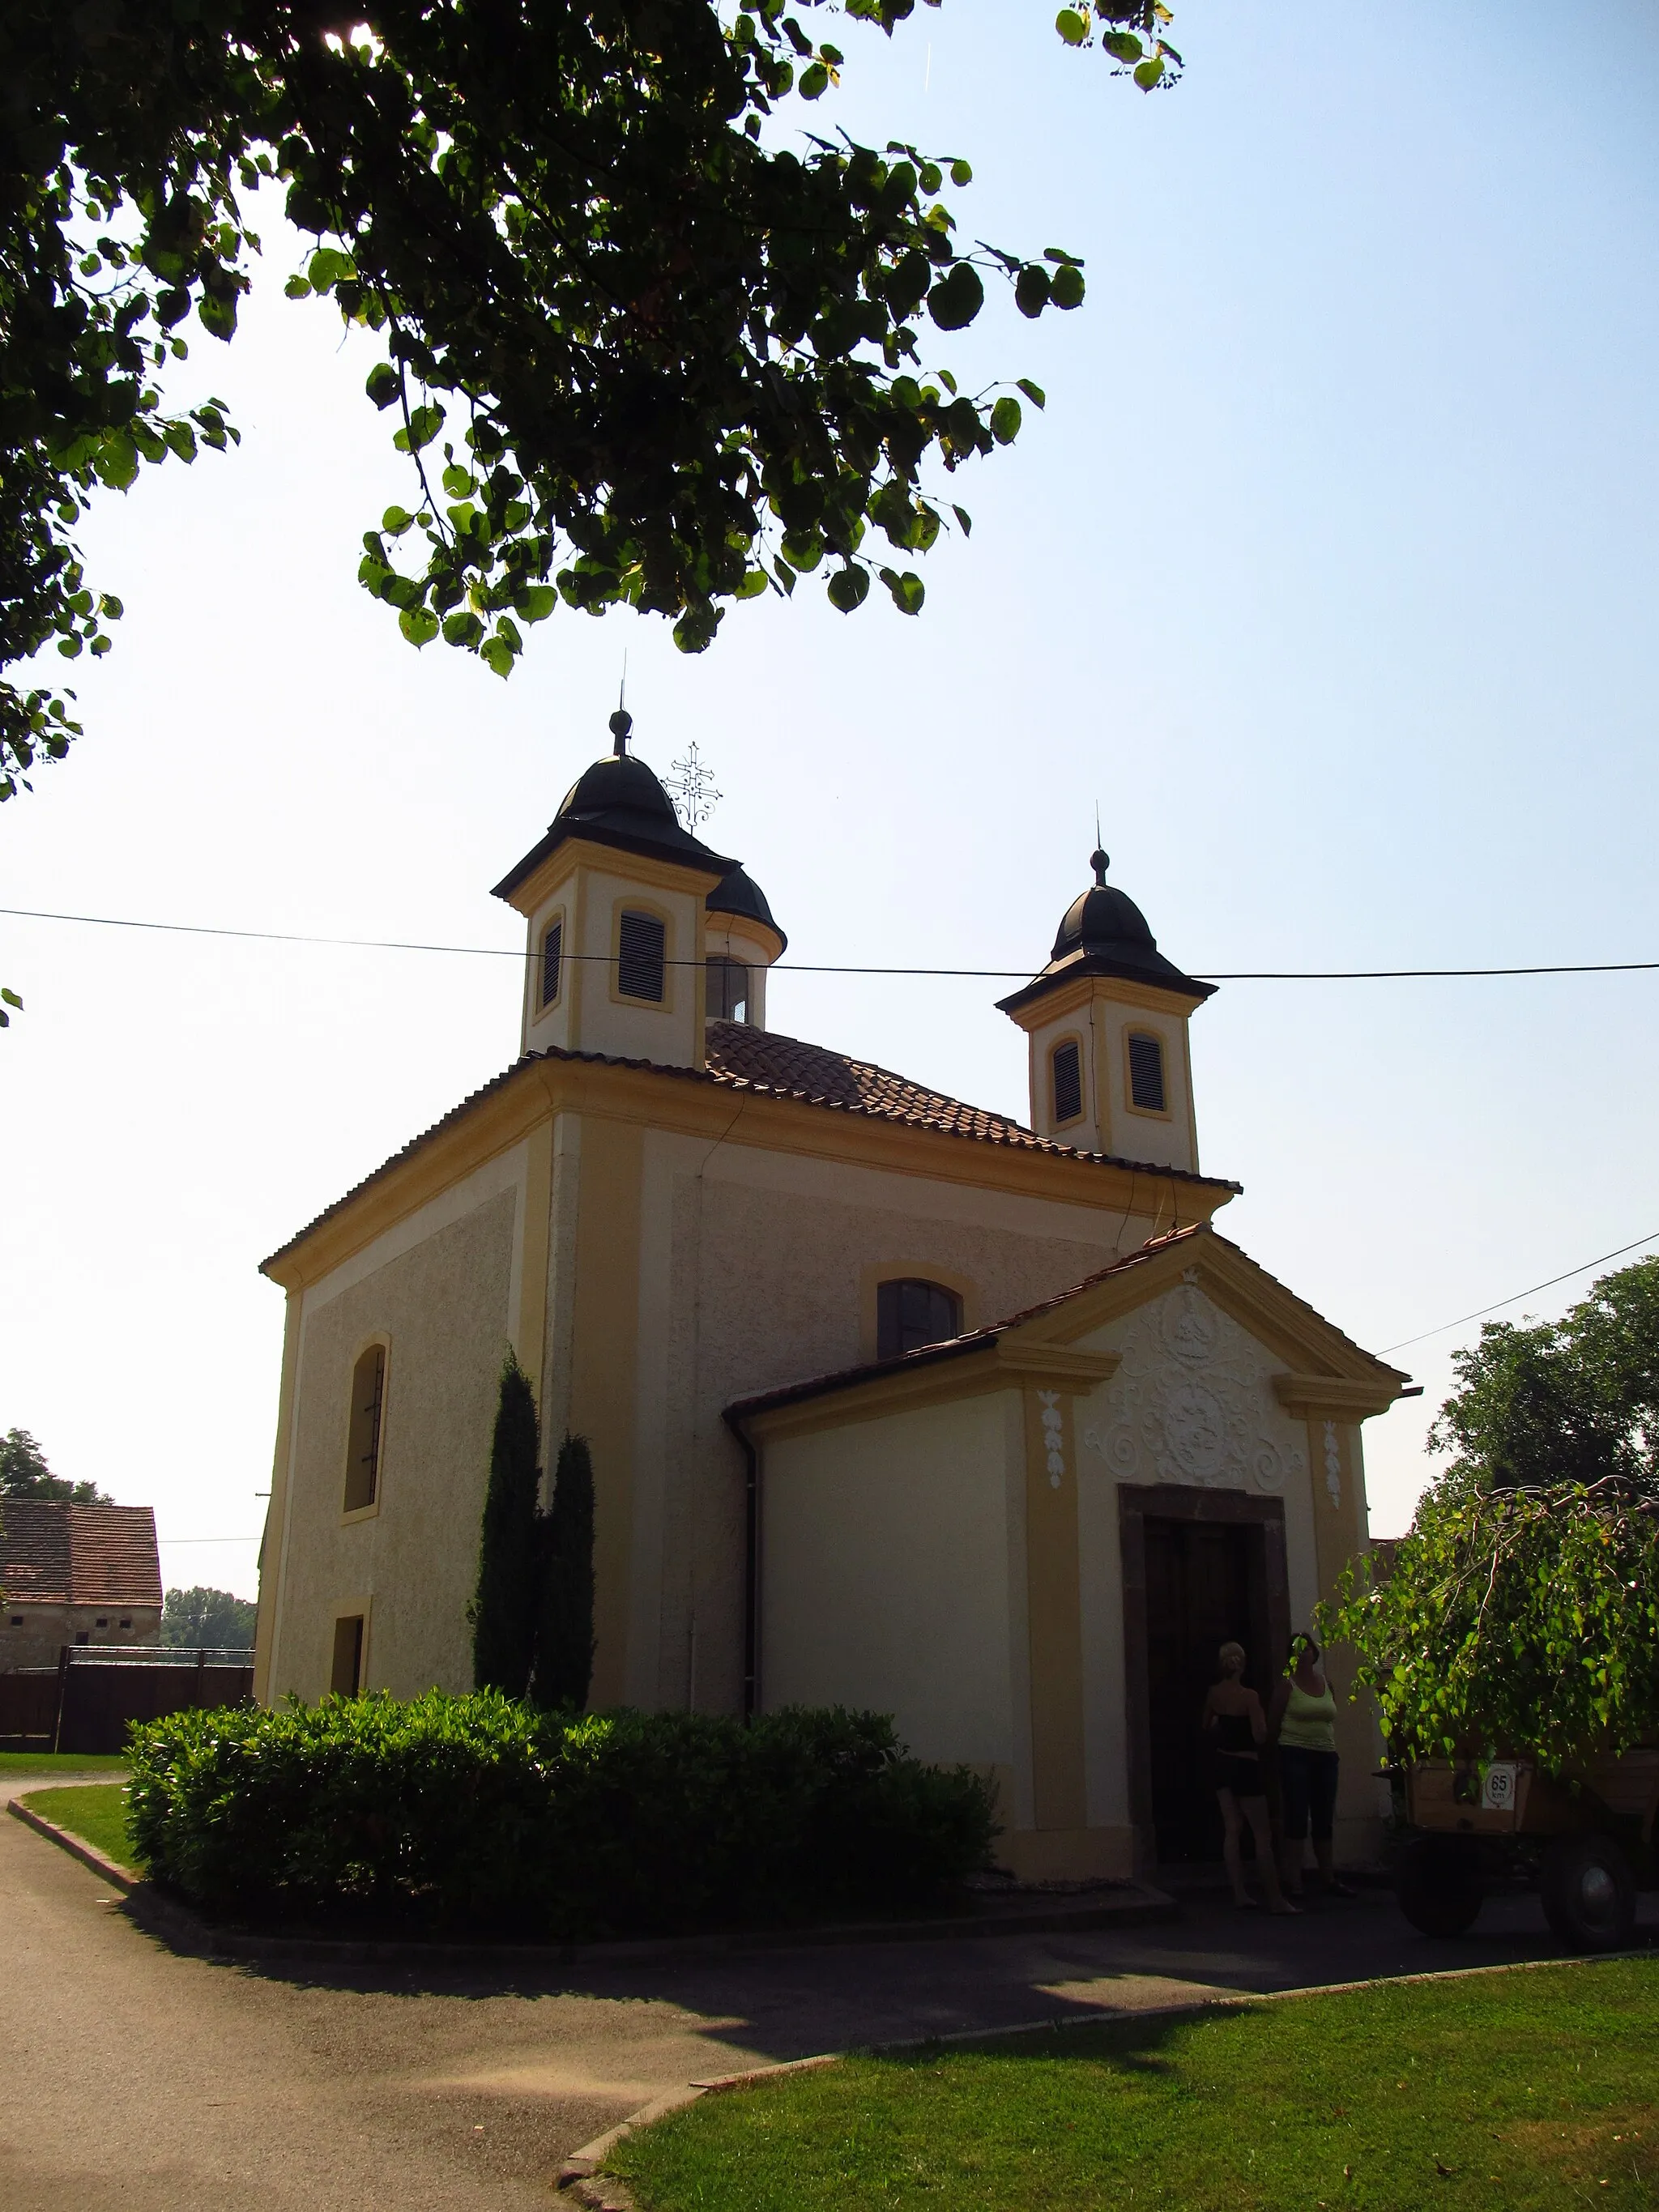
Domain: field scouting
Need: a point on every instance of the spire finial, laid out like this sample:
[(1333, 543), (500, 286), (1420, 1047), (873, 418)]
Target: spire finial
[(622, 721), (1099, 862)]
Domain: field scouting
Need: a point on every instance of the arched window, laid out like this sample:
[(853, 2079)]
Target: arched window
[(1066, 1072), (642, 956), (727, 996), (552, 953), (1146, 1071), (362, 1479), (910, 1313)]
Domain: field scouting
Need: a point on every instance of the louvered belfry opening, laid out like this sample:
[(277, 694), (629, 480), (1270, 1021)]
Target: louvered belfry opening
[(552, 951), (727, 993), (641, 951), (1067, 1069), (1146, 1071)]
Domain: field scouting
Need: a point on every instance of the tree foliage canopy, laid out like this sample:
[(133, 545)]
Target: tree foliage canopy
[(202, 1616), (24, 1474), (633, 354), (1522, 1612)]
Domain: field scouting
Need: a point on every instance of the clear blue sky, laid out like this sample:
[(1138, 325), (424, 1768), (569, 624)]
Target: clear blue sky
[(1329, 573)]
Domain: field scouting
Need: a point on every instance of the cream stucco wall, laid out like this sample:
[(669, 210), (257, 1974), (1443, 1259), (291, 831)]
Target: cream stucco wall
[(885, 1575), (753, 1271), (441, 1290)]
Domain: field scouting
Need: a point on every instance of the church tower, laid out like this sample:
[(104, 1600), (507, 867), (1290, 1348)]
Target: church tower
[(639, 935), (1110, 1064)]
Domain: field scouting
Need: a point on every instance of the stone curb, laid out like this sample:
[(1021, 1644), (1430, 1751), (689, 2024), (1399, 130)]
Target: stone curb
[(119, 1877), (1131, 1905), (602, 2192)]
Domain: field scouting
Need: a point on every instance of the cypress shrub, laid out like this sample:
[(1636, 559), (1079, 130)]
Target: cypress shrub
[(564, 1628), (480, 1814), (503, 1608)]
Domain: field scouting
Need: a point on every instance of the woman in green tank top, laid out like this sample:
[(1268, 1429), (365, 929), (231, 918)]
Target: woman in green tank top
[(1302, 1722)]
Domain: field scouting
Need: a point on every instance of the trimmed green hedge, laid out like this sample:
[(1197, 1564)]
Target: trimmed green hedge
[(482, 1813)]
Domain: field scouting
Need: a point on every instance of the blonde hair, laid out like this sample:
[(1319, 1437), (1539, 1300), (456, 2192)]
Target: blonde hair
[(1229, 1651)]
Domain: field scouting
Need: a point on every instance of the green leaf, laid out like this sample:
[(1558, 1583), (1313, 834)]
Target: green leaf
[(418, 624), (296, 289), (11, 997), (1071, 26), (1032, 288), (424, 424), (802, 549), (1067, 287), (754, 583), (908, 591), (498, 654), (535, 602), (1122, 45), (382, 383), (954, 302), (961, 173), (933, 178), (849, 588), (457, 482), (965, 519), (1149, 72), (813, 83), (1034, 393), (396, 520), (1005, 421)]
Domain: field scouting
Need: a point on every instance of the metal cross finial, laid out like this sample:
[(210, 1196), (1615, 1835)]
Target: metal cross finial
[(694, 788)]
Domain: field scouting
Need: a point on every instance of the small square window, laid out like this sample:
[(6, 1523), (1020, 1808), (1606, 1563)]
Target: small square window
[(102, 1622), (123, 1622), (82, 1636), (17, 1620)]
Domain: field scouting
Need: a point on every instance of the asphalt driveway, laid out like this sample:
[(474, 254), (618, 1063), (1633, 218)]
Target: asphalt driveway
[(132, 2077)]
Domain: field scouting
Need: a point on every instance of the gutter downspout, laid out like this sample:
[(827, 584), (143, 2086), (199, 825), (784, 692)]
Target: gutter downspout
[(751, 1562)]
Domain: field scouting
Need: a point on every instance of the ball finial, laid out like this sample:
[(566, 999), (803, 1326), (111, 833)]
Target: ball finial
[(621, 723), (1099, 861)]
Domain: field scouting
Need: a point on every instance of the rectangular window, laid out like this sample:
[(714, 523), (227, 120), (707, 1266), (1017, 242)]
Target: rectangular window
[(1067, 1083), (1146, 1071), (346, 1678), (910, 1314), (641, 949), (552, 946), (727, 995), (362, 1481)]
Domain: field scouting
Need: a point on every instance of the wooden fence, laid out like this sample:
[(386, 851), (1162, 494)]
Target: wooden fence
[(85, 1702)]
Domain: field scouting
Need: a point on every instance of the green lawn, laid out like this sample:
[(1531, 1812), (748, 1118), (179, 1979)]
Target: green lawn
[(97, 1812), (59, 1762), (1507, 2091)]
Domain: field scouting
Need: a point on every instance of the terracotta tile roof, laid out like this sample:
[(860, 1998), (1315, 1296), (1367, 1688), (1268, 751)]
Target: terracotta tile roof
[(52, 1554), (955, 1347), (770, 1065)]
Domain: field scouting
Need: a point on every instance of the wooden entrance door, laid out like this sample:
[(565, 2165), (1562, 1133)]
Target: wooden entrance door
[(1206, 1586)]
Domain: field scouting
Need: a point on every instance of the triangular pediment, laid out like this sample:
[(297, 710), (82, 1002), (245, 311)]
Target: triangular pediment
[(1313, 1350)]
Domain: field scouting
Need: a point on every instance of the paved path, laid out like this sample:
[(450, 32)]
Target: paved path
[(134, 2078)]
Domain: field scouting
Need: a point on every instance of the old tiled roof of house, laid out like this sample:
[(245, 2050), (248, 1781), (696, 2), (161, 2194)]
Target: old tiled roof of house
[(52, 1554), (739, 1058)]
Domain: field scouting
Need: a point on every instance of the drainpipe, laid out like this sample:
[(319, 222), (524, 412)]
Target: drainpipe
[(750, 1561)]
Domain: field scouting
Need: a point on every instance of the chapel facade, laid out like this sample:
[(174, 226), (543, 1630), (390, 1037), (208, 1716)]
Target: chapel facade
[(892, 1401)]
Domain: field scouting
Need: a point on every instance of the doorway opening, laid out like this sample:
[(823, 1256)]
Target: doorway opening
[(1201, 1568)]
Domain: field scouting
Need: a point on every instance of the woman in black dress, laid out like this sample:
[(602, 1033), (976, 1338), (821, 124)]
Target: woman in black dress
[(1235, 1730)]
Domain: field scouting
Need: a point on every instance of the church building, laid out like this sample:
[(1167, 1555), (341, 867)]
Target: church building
[(893, 1401)]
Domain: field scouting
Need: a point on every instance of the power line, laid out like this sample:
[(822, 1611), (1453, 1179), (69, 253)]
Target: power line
[(837, 967), (1519, 1295)]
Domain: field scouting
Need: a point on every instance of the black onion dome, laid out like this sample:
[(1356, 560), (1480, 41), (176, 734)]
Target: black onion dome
[(739, 893), (1103, 932), (619, 802)]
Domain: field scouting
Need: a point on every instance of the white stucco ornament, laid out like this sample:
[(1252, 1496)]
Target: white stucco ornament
[(1332, 1464), (1053, 1429), (1191, 1403)]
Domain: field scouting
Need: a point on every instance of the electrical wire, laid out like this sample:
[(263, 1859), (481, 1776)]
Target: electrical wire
[(828, 967), (1407, 1340)]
